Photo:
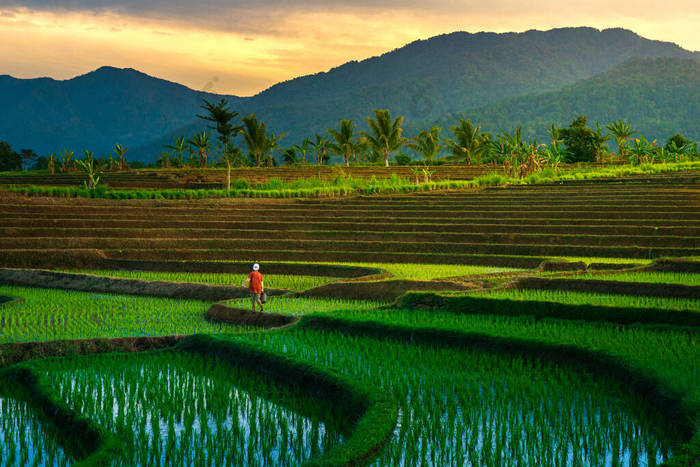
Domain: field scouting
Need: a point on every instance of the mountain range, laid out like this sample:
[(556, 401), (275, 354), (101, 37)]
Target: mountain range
[(500, 81)]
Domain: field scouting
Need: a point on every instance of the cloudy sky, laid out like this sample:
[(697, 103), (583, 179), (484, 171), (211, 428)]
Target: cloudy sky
[(243, 46)]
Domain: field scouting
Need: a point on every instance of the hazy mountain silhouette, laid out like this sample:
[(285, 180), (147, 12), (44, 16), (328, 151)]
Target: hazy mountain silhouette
[(94, 111), (423, 81)]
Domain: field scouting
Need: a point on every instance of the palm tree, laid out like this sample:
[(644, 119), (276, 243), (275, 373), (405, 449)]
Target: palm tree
[(385, 136), (272, 144), (289, 156), (201, 143), (52, 163), (302, 148), (344, 142), (599, 143), (231, 155), (66, 156), (120, 153), (319, 145), (178, 147), (427, 144), (164, 159), (468, 143), (621, 131), (255, 137)]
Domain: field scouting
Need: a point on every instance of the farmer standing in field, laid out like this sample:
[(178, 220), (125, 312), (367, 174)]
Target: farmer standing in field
[(255, 285)]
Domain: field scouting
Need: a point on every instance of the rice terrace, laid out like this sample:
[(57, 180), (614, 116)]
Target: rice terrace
[(304, 277)]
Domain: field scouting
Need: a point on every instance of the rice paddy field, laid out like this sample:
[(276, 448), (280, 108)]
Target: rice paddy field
[(470, 366), (185, 409), (273, 281)]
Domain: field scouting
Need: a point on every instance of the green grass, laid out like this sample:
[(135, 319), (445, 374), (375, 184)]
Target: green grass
[(174, 408), (272, 281), (585, 298), (344, 185), (646, 276), (49, 314), (460, 405)]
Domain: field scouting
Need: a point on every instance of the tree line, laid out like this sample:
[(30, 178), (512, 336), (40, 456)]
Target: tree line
[(384, 140), (248, 142)]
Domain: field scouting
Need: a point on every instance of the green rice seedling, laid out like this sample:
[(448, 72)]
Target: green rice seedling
[(434, 271), (179, 409), (589, 260), (300, 306), (272, 281), (48, 314), (24, 439), (461, 406), (585, 298), (667, 354), (647, 276)]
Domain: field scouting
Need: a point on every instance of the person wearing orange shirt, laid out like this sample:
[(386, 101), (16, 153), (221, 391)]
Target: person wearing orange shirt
[(255, 285)]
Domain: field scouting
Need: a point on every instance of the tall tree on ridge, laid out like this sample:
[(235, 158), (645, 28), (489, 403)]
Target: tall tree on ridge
[(231, 155), (178, 147), (303, 148), (120, 153), (320, 146), (344, 143), (201, 142), (255, 137), (385, 135), (622, 131), (468, 143), (427, 144), (221, 116)]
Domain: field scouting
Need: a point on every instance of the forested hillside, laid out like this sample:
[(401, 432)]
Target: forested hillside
[(660, 96)]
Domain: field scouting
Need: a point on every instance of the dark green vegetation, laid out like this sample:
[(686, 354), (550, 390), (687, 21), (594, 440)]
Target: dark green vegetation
[(661, 96), (423, 81)]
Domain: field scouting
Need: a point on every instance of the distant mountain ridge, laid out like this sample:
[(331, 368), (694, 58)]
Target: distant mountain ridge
[(95, 110), (426, 80), (660, 96)]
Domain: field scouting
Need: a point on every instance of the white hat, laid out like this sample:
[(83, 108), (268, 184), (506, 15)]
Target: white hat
[(256, 266)]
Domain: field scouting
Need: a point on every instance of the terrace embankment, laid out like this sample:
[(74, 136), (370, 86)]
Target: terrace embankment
[(100, 284), (11, 354), (221, 313), (216, 178), (512, 226), (383, 291), (641, 289)]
